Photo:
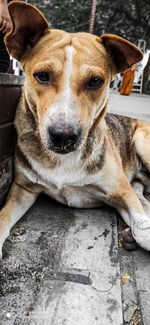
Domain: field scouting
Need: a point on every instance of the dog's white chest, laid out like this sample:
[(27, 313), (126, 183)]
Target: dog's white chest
[(69, 172), (70, 184)]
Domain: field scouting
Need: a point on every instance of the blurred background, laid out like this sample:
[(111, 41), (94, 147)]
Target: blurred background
[(129, 19)]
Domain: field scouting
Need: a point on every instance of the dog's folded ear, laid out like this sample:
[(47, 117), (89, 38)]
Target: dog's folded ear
[(123, 53), (28, 26)]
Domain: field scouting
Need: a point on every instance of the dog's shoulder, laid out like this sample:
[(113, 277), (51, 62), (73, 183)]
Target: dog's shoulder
[(122, 129), (120, 123)]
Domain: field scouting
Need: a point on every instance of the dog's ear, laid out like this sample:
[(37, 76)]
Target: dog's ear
[(123, 53), (28, 26)]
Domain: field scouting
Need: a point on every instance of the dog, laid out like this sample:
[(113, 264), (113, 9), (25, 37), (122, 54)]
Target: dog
[(68, 147)]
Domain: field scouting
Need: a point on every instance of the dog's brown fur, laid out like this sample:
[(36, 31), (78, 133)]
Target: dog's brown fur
[(113, 151)]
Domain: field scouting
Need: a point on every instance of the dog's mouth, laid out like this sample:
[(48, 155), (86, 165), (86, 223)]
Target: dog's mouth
[(63, 149)]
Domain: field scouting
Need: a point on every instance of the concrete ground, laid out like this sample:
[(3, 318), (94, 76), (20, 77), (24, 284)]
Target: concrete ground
[(65, 266), (135, 105)]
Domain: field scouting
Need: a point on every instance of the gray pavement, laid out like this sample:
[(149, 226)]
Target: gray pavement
[(65, 266), (61, 266), (135, 105)]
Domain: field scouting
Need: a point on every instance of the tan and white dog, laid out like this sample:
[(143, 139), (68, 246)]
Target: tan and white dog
[(67, 146)]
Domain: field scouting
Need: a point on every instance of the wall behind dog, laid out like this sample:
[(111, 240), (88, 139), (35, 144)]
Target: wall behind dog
[(129, 19), (10, 91)]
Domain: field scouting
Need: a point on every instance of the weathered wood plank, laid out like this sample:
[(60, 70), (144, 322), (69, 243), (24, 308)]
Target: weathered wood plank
[(11, 79), (9, 96), (10, 91), (7, 140), (6, 175)]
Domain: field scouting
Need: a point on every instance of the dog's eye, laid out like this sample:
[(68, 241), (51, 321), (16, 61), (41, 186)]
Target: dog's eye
[(95, 83), (42, 77)]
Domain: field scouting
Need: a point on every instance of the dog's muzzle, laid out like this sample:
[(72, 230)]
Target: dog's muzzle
[(64, 138)]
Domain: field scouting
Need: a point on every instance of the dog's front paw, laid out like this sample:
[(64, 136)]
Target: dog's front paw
[(2, 240), (141, 233), (4, 233), (1, 246), (127, 240), (1, 255)]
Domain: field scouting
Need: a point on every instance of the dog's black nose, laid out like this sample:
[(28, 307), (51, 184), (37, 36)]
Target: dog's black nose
[(64, 138)]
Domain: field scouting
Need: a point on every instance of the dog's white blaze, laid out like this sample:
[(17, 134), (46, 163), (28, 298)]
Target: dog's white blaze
[(64, 105), (67, 95)]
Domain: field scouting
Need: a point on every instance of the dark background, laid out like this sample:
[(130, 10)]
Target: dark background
[(127, 18)]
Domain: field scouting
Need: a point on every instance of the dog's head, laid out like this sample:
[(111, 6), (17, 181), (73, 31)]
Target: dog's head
[(67, 76)]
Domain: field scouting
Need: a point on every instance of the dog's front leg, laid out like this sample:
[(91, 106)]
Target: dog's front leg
[(18, 202), (130, 208)]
